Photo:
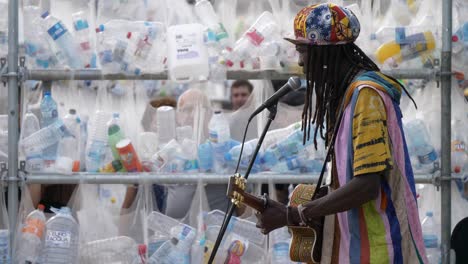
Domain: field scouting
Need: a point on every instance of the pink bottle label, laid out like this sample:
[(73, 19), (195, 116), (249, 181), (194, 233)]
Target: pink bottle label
[(255, 37)]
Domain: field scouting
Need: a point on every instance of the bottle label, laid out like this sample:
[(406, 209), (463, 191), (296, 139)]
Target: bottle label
[(57, 30), (255, 37), (61, 239), (191, 165), (34, 226), (458, 146), (186, 46), (213, 136), (413, 45), (428, 158)]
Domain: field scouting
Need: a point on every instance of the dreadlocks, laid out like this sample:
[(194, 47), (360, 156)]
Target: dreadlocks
[(329, 71)]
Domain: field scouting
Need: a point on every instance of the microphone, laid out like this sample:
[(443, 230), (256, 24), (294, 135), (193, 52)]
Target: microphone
[(293, 84)]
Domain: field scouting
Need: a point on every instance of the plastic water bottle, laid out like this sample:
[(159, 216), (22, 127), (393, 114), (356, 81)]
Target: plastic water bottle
[(460, 39), (289, 147), (97, 142), (49, 113), (30, 124), (83, 141), (431, 238), (218, 127), (161, 256), (419, 142), (264, 27), (63, 40), (72, 122), (82, 34), (119, 249), (205, 156), (189, 149), (219, 134), (279, 249), (187, 53), (4, 246), (205, 12), (32, 233), (61, 238), (405, 46), (181, 252), (67, 157), (459, 151), (115, 134), (218, 71), (232, 156)]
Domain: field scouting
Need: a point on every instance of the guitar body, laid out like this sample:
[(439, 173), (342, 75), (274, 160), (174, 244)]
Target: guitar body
[(306, 244)]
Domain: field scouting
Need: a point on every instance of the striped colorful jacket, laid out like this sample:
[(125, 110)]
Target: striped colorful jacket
[(371, 140)]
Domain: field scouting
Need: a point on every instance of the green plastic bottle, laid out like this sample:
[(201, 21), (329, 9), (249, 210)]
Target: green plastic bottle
[(115, 134)]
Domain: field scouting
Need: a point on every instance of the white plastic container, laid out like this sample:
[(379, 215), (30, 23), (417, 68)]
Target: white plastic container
[(165, 123), (187, 53)]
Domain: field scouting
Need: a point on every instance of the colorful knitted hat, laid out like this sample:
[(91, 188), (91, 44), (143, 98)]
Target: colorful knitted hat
[(325, 24)]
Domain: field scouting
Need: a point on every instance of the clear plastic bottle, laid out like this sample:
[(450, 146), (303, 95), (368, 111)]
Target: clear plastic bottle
[(121, 249), (219, 135), (97, 142), (67, 156), (115, 134), (72, 122), (289, 147), (218, 70), (4, 246), (181, 252), (218, 127), (205, 156), (431, 238), (32, 233), (165, 123), (189, 149), (459, 151), (460, 39), (161, 256), (279, 249), (49, 113), (419, 142), (62, 39), (61, 238), (264, 27), (82, 34), (30, 124), (205, 12)]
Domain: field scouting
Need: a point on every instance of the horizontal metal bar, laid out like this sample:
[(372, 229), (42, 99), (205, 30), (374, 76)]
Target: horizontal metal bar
[(95, 74), (131, 178)]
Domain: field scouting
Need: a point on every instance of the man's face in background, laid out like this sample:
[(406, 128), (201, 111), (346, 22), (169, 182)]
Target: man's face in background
[(239, 96)]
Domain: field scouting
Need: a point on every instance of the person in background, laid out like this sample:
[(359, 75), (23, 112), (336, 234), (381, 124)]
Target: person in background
[(373, 199), (240, 92)]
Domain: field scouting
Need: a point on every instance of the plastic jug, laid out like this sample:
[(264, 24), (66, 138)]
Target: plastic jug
[(187, 53)]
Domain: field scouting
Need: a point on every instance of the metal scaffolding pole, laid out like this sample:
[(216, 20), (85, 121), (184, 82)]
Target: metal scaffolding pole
[(96, 74), (175, 178), (13, 109), (446, 83)]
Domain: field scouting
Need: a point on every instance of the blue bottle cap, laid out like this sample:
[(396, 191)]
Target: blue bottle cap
[(45, 14), (47, 93), (429, 213), (227, 156)]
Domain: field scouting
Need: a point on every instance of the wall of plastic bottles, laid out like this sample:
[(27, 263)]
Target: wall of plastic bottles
[(112, 126)]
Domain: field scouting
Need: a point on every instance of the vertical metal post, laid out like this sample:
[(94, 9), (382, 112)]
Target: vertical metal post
[(13, 109), (446, 82)]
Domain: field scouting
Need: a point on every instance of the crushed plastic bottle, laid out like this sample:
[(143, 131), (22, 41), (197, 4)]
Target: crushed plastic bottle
[(32, 234)]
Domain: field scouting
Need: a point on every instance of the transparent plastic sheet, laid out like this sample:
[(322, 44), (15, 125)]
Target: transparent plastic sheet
[(107, 10), (179, 12), (5, 226), (26, 206), (3, 138)]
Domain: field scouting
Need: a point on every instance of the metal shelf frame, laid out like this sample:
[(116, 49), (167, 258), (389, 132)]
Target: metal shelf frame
[(14, 75)]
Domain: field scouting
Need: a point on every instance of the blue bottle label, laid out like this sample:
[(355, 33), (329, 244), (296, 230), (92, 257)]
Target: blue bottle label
[(57, 30), (428, 158)]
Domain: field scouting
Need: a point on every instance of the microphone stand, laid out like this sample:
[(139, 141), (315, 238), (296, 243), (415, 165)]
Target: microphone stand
[(272, 109)]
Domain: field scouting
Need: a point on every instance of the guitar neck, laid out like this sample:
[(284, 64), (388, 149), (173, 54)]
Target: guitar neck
[(253, 201)]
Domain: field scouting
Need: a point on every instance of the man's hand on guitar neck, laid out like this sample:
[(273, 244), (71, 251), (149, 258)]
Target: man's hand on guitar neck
[(358, 191)]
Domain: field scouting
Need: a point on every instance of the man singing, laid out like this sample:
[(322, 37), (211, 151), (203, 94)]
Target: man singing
[(373, 194)]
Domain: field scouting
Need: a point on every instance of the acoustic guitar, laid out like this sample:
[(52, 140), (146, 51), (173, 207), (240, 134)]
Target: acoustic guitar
[(306, 244)]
